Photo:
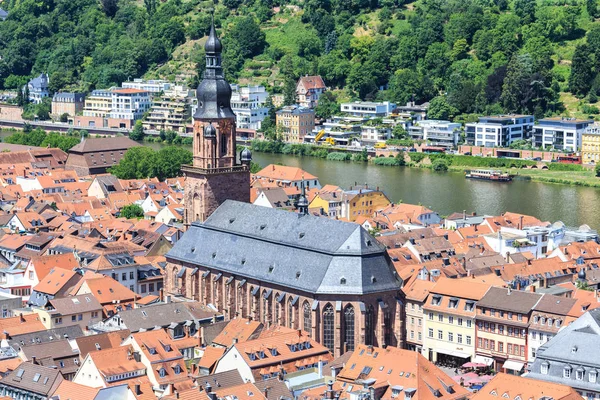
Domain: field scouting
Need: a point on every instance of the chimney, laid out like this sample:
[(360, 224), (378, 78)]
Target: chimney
[(475, 228), (464, 215), (22, 317), (532, 289), (34, 360), (167, 299), (464, 262), (138, 389), (521, 222), (509, 290), (266, 392)]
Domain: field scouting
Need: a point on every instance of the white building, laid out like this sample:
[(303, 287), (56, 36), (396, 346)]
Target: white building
[(129, 104), (537, 240), (560, 133), (38, 88), (98, 103), (153, 86), (341, 129), (368, 109), (436, 132), (499, 130), (376, 133), (248, 104)]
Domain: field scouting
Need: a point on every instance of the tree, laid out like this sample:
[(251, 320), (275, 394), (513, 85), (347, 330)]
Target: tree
[(150, 6), (138, 131), (169, 161), (254, 167), (399, 132), (248, 37), (439, 108), (110, 7), (592, 8), (581, 77), (598, 170), (138, 163), (327, 106), (64, 117), (440, 165), (132, 211), (525, 9), (289, 92)]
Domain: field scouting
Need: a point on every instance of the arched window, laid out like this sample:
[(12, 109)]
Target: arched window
[(307, 317), (290, 316), (387, 328), (277, 310), (266, 307), (328, 327), (223, 144), (349, 328), (369, 315), (175, 278)]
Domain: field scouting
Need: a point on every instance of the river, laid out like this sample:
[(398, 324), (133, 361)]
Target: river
[(451, 192)]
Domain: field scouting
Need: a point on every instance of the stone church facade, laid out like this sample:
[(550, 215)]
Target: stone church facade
[(329, 278)]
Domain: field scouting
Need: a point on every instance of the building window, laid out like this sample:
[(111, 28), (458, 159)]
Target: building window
[(430, 316), (460, 322), (579, 375), (450, 320), (544, 370), (441, 317), (290, 314), (500, 347), (328, 327), (469, 340), (450, 336), (440, 335), (430, 333), (369, 315), (307, 317), (349, 328), (223, 144), (459, 338), (592, 375), (469, 323), (567, 372)]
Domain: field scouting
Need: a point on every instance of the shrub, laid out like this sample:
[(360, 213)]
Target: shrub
[(339, 156), (440, 165), (392, 162)]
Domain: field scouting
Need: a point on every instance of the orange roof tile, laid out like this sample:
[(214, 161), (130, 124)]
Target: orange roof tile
[(68, 390), (44, 264), (511, 386), (238, 328), (56, 280), (210, 357), (284, 173), (20, 325), (106, 289)]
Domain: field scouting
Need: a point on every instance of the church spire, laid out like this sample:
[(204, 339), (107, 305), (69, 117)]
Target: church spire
[(213, 93), (302, 201)]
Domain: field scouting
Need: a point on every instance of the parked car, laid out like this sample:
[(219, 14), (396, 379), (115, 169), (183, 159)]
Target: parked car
[(468, 153), (412, 150), (537, 159)]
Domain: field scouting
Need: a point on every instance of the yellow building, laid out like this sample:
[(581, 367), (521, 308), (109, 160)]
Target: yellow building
[(98, 104), (449, 320), (590, 145), (295, 122), (328, 200), (362, 201), (83, 310)]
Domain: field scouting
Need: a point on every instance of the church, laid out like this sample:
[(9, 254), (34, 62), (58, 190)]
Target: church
[(329, 278)]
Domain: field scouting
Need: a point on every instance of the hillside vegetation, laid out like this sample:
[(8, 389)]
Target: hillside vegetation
[(466, 57)]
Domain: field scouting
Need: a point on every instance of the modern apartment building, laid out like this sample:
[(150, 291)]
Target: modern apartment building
[(499, 130), (372, 132), (170, 111), (590, 145), (153, 86), (436, 132), (248, 104), (341, 129), (129, 104), (449, 320), (98, 103), (560, 133), (368, 109), (295, 122)]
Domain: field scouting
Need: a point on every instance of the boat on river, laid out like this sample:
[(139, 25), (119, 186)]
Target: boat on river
[(488, 175)]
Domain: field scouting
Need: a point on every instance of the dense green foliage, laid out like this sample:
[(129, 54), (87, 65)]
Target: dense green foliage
[(143, 162), (440, 165), (40, 138), (132, 211), (339, 156), (464, 56)]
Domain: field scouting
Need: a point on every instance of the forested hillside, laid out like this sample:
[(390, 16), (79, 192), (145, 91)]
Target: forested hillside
[(465, 56)]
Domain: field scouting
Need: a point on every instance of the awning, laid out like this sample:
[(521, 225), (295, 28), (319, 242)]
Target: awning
[(514, 365), (453, 353), (483, 360)]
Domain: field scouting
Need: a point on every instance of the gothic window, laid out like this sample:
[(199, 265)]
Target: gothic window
[(349, 328), (290, 317), (328, 327), (223, 144), (307, 317), (175, 278), (387, 323), (277, 310), (266, 307), (369, 326)]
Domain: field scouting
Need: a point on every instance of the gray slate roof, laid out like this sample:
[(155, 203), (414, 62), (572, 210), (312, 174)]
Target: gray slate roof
[(516, 301), (3, 14), (48, 335), (162, 315), (303, 252), (68, 97), (576, 346), (23, 378)]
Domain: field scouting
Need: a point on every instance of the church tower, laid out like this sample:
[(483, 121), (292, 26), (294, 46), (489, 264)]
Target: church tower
[(215, 175)]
